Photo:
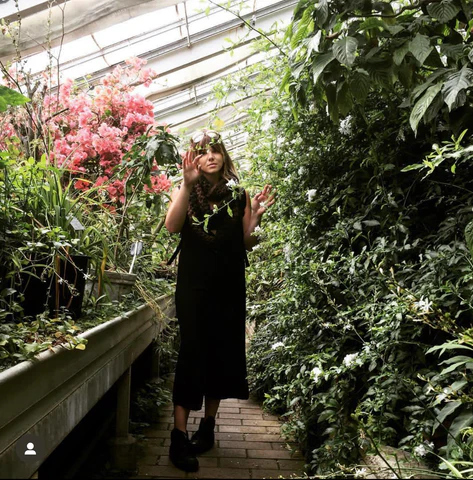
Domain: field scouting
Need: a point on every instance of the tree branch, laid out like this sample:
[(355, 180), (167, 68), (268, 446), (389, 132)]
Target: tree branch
[(249, 25)]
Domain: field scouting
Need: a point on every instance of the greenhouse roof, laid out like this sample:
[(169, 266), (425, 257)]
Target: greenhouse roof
[(186, 43)]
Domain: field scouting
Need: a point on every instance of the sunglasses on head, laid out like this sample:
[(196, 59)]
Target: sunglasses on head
[(200, 134)]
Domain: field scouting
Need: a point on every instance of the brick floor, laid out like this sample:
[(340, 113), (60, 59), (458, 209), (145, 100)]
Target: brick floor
[(248, 445)]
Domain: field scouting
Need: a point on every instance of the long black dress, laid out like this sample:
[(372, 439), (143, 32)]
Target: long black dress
[(211, 307)]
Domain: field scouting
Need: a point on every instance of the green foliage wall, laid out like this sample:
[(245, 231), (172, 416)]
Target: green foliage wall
[(363, 267)]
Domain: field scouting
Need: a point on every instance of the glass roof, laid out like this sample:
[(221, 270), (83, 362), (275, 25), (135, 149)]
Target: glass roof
[(186, 43)]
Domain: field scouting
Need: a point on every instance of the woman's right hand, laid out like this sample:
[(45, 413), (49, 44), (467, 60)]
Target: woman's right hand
[(190, 168)]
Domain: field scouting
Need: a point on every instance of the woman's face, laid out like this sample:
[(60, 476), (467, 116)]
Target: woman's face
[(211, 162)]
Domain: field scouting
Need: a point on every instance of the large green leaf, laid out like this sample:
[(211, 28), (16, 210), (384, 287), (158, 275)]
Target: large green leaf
[(345, 50), (400, 53), (360, 85), (344, 98), (456, 83), (319, 65), (443, 11), (445, 412), (420, 47), (464, 420), (321, 13), (422, 105), (9, 97), (303, 28), (469, 236)]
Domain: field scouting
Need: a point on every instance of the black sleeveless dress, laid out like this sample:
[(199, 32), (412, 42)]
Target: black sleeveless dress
[(211, 308)]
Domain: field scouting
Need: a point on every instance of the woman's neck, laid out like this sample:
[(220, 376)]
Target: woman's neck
[(213, 178)]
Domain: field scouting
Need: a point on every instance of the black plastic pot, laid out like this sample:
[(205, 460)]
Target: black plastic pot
[(53, 291)]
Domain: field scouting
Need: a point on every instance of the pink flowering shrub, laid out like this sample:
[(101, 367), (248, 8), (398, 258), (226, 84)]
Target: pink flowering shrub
[(90, 133), (104, 146)]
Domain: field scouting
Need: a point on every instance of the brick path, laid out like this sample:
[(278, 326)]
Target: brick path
[(248, 445)]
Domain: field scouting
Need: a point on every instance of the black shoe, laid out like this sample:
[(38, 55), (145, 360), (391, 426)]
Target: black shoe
[(180, 452), (204, 438)]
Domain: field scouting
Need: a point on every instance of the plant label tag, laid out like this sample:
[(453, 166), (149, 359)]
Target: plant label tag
[(76, 225), (136, 248)]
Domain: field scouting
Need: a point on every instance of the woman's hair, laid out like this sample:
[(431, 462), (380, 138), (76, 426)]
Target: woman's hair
[(216, 145)]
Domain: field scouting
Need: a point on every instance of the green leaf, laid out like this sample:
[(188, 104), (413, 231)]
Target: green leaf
[(415, 166), (464, 420), (445, 412), (373, 23), (457, 358), (455, 83), (443, 11), (371, 223), (9, 97), (400, 53), (451, 368), (360, 85), (422, 105), (469, 236), (430, 80), (345, 50), (344, 99), (321, 13), (331, 95), (319, 65), (229, 211), (458, 385), (420, 47)]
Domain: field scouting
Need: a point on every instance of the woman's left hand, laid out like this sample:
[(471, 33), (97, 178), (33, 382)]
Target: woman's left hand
[(261, 201)]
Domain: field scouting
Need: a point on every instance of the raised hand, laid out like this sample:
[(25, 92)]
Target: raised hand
[(262, 201), (190, 168)]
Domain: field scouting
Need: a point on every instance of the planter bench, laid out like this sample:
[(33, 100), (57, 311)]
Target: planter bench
[(46, 398)]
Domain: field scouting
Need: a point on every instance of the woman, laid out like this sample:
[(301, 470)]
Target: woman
[(216, 220)]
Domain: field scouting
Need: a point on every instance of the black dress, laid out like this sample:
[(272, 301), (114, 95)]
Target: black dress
[(211, 308)]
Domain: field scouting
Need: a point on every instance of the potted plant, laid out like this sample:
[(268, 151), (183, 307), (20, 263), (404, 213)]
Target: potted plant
[(44, 263)]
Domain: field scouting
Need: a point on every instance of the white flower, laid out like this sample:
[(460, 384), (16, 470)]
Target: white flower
[(295, 210), (231, 183), (420, 450), (360, 472), (301, 171), (311, 194), (423, 305), (280, 141), (277, 345), (316, 372), (87, 276), (347, 327), (350, 359), (287, 253), (257, 229), (326, 325), (345, 126)]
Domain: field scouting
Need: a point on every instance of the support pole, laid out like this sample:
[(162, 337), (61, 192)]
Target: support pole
[(123, 446)]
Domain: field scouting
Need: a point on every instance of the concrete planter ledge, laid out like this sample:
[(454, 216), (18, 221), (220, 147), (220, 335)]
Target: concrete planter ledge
[(49, 396)]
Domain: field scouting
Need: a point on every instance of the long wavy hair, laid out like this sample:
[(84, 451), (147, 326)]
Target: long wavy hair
[(229, 171)]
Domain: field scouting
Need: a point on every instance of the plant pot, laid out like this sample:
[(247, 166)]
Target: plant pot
[(115, 285), (54, 292)]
